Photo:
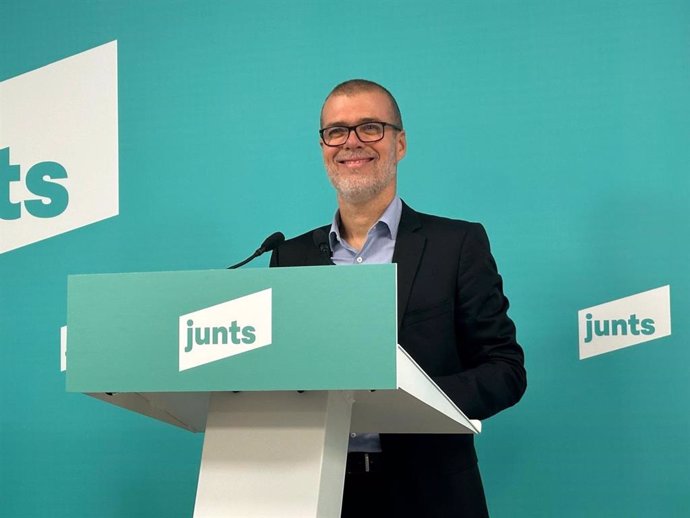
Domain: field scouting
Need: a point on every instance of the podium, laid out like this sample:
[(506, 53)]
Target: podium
[(277, 366)]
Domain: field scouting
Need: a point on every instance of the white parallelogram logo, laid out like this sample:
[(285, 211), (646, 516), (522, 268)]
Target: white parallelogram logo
[(233, 327), (624, 322), (59, 147)]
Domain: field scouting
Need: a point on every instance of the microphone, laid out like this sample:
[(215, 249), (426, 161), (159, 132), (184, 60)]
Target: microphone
[(271, 242), (321, 240)]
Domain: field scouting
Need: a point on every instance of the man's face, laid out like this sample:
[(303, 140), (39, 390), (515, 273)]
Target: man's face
[(362, 171)]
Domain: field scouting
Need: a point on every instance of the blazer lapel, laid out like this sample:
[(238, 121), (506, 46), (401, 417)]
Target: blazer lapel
[(409, 246)]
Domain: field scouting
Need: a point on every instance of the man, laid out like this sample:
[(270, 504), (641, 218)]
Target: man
[(452, 311)]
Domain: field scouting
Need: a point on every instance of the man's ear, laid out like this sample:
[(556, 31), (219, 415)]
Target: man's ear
[(401, 145)]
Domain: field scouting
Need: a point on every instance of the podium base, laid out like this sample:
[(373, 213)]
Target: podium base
[(269, 454)]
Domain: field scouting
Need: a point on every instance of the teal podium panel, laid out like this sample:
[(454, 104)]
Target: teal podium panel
[(275, 366), (311, 328)]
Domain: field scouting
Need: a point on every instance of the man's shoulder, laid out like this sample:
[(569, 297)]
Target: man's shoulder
[(301, 250), (433, 224), (308, 239)]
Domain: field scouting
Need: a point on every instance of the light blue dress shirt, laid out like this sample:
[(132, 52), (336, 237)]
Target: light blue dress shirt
[(380, 243), (377, 249)]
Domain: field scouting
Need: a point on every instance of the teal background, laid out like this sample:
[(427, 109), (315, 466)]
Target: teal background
[(123, 330), (562, 126)]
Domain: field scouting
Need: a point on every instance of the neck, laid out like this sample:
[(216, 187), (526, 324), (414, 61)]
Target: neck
[(357, 218)]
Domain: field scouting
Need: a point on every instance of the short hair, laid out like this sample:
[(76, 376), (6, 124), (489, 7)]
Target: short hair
[(355, 86)]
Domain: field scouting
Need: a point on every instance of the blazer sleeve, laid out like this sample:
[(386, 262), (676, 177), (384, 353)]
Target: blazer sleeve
[(493, 375)]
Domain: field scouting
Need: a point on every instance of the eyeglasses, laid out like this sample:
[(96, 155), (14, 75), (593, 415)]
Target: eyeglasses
[(366, 132)]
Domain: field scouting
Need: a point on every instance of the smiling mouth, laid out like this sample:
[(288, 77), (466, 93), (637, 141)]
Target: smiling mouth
[(354, 163)]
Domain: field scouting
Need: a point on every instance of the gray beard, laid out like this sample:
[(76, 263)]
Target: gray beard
[(359, 190)]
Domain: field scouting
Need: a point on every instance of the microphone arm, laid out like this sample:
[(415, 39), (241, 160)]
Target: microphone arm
[(271, 242)]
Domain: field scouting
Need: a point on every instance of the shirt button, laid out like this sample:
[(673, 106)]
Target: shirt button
[(359, 259)]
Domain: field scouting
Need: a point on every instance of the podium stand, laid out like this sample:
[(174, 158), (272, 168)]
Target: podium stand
[(276, 366)]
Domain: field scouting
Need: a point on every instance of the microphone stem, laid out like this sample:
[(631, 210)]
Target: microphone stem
[(253, 256)]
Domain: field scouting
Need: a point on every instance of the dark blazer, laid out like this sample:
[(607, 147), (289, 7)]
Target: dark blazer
[(453, 321)]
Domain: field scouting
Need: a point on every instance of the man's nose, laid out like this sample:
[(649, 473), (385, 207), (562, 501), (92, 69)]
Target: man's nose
[(353, 140)]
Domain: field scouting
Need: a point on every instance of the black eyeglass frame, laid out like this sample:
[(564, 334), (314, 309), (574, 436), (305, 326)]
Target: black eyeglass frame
[(350, 129)]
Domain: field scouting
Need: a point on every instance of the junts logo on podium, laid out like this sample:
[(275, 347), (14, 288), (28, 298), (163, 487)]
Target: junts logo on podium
[(624, 322), (227, 329)]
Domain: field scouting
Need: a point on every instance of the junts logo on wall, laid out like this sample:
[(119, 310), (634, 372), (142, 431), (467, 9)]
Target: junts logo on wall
[(227, 329), (624, 322), (58, 147)]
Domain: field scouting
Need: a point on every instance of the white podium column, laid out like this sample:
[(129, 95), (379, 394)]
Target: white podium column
[(274, 454)]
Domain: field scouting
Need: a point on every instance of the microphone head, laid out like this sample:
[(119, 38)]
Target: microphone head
[(272, 242)]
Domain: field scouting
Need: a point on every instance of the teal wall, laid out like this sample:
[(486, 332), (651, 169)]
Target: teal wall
[(562, 126)]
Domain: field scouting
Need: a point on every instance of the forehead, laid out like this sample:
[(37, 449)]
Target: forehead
[(352, 109)]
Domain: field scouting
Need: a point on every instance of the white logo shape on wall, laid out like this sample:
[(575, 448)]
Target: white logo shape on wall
[(58, 147), (233, 327), (624, 322)]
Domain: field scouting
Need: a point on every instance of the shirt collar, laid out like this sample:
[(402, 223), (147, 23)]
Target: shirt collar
[(390, 218)]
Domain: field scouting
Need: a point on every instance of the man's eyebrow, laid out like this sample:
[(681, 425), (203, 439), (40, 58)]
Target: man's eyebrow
[(359, 121)]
